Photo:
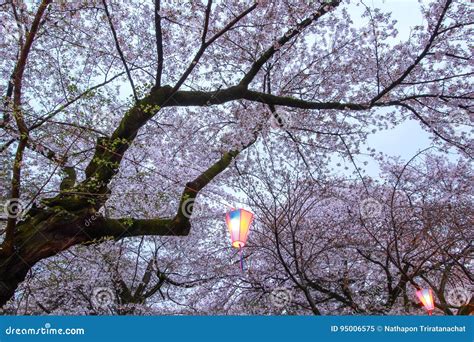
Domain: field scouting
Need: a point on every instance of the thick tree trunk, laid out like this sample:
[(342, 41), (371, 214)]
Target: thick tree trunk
[(12, 272), (46, 233)]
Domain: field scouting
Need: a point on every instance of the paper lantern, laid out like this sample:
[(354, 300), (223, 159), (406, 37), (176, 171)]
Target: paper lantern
[(238, 221), (426, 298)]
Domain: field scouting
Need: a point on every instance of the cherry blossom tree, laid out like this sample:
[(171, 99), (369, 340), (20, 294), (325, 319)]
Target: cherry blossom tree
[(350, 248), (117, 116)]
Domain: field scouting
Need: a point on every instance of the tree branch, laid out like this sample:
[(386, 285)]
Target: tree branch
[(7, 246), (201, 98), (119, 50), (205, 44), (418, 59), (159, 43), (438, 134), (67, 104), (257, 65), (206, 22), (177, 226)]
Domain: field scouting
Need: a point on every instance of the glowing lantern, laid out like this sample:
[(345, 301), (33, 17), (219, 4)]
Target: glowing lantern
[(238, 221), (426, 298)]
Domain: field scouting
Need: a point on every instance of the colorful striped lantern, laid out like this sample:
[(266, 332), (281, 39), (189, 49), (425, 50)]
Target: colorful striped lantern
[(426, 298), (238, 221)]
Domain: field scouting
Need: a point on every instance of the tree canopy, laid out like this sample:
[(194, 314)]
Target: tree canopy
[(129, 128)]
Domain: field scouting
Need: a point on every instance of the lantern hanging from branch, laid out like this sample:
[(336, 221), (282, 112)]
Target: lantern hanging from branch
[(426, 298), (238, 221)]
